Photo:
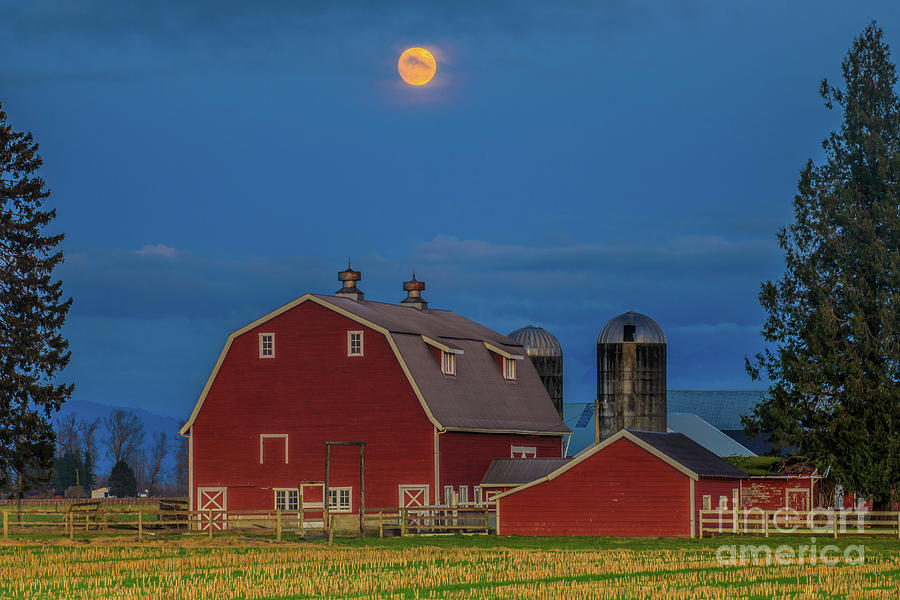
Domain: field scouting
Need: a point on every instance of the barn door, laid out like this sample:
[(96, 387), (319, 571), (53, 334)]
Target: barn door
[(412, 496), (797, 499), (214, 499)]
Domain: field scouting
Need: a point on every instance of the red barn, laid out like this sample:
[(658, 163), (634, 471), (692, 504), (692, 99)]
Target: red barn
[(774, 492), (434, 396), (635, 483)]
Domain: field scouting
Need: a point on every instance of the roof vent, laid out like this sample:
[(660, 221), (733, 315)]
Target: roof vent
[(348, 279), (414, 289)]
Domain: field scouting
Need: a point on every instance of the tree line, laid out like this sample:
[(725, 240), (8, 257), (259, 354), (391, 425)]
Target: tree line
[(139, 463)]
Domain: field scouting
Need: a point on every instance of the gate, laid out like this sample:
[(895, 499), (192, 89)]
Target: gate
[(212, 502)]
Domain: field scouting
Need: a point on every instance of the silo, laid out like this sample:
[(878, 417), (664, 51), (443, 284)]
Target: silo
[(546, 355), (631, 376)]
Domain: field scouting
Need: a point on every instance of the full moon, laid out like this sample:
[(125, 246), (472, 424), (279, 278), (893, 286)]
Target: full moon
[(416, 66)]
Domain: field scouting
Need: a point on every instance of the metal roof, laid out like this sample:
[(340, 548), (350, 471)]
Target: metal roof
[(477, 397), (517, 471), (706, 435), (689, 453), (721, 409), (646, 330), (537, 341)]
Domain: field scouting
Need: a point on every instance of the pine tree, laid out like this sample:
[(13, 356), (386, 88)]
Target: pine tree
[(833, 323), (122, 483), (32, 349)]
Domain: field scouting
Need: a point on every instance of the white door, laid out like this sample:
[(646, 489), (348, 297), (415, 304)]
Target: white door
[(213, 504), (412, 496)]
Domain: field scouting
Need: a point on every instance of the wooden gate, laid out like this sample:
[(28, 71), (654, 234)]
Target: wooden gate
[(412, 496), (212, 502)]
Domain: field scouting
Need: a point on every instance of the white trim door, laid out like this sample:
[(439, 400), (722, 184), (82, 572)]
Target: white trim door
[(412, 496), (214, 499)]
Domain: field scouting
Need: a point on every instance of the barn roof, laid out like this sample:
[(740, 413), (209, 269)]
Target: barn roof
[(516, 471), (690, 454), (477, 398), (676, 449)]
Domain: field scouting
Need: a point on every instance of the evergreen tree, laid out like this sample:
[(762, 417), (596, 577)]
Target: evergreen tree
[(32, 350), (833, 324), (122, 483), (88, 478), (69, 470)]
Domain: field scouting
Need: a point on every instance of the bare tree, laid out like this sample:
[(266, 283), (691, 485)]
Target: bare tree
[(67, 439), (157, 455), (124, 436), (181, 467), (89, 441)]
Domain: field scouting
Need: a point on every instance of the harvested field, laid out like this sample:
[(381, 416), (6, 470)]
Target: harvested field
[(453, 567)]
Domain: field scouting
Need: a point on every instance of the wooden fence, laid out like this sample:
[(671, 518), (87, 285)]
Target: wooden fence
[(84, 519), (63, 502), (788, 521)]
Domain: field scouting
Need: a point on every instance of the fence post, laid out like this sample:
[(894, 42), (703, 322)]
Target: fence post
[(487, 521), (330, 529), (210, 523), (898, 525), (766, 522), (835, 522), (87, 521), (381, 525), (5, 524), (402, 521), (71, 526), (140, 526), (278, 525)]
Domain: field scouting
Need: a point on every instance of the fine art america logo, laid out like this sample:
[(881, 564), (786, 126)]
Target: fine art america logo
[(822, 521)]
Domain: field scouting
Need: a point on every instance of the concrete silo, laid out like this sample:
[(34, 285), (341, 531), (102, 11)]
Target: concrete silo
[(546, 355), (631, 376)]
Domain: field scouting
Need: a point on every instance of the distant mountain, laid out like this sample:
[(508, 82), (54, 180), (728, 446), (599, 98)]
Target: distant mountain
[(88, 411)]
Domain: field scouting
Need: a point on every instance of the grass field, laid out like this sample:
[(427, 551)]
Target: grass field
[(193, 567)]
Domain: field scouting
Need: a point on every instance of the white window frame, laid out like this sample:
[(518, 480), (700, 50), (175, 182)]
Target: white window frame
[(707, 502), (291, 496), (262, 338), (338, 507), (448, 363), (509, 369), (463, 494), (523, 451), (448, 495), (478, 497), (723, 502), (264, 436), (350, 351)]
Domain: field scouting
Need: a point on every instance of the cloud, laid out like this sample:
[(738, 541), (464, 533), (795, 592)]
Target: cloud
[(157, 250), (170, 315)]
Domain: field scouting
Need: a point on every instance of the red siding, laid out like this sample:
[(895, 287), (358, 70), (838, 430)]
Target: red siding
[(313, 392), (768, 493), (465, 457), (715, 488), (622, 490)]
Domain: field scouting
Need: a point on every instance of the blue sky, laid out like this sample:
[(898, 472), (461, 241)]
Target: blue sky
[(211, 161)]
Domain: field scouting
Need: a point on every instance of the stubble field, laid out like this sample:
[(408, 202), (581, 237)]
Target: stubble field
[(232, 567)]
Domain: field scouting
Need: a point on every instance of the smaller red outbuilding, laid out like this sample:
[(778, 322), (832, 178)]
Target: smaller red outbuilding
[(635, 483)]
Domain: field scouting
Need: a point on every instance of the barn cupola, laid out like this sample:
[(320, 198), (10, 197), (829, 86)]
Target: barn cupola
[(414, 289), (348, 279)]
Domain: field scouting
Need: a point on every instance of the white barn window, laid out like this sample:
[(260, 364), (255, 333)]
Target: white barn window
[(522, 452), (340, 499), (448, 363), (286, 499), (354, 343), (267, 345), (509, 369)]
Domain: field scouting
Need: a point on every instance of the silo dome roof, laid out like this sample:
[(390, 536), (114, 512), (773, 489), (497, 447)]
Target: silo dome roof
[(646, 330), (537, 341)]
